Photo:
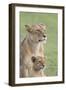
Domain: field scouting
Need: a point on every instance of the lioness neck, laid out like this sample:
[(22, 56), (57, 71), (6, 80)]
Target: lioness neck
[(33, 46)]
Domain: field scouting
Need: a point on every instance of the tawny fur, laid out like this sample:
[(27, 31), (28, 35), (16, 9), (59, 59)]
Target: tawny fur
[(32, 45), (38, 66)]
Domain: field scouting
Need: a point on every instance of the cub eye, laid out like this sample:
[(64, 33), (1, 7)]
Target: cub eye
[(39, 61)]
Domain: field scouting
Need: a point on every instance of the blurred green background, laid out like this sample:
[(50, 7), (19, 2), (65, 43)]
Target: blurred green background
[(51, 47)]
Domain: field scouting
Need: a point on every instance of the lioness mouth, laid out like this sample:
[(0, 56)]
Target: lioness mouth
[(41, 40)]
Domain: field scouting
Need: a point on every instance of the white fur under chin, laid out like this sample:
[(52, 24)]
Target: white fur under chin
[(44, 42)]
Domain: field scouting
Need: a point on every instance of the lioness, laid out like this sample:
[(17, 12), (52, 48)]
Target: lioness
[(32, 45), (38, 66)]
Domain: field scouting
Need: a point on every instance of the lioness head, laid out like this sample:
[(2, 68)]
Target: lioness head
[(37, 32), (38, 62)]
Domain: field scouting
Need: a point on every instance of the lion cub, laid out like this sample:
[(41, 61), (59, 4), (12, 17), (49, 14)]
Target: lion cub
[(38, 66)]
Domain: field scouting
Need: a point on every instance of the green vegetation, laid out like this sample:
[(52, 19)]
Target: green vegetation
[(51, 20)]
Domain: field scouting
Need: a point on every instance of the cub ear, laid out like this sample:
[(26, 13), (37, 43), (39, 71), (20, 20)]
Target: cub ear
[(28, 28), (33, 58)]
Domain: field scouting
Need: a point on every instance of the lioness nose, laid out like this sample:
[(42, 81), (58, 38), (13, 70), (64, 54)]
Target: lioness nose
[(44, 36)]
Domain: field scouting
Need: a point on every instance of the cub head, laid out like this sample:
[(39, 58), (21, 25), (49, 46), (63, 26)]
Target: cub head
[(38, 62), (37, 32)]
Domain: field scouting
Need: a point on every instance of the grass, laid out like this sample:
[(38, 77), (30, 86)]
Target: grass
[(51, 20)]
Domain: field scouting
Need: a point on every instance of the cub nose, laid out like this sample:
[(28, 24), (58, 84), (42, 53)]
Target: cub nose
[(43, 65)]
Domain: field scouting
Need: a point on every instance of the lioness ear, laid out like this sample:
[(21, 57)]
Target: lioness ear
[(33, 59), (43, 26), (28, 28)]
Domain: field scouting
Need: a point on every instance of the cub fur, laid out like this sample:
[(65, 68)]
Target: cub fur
[(38, 66)]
